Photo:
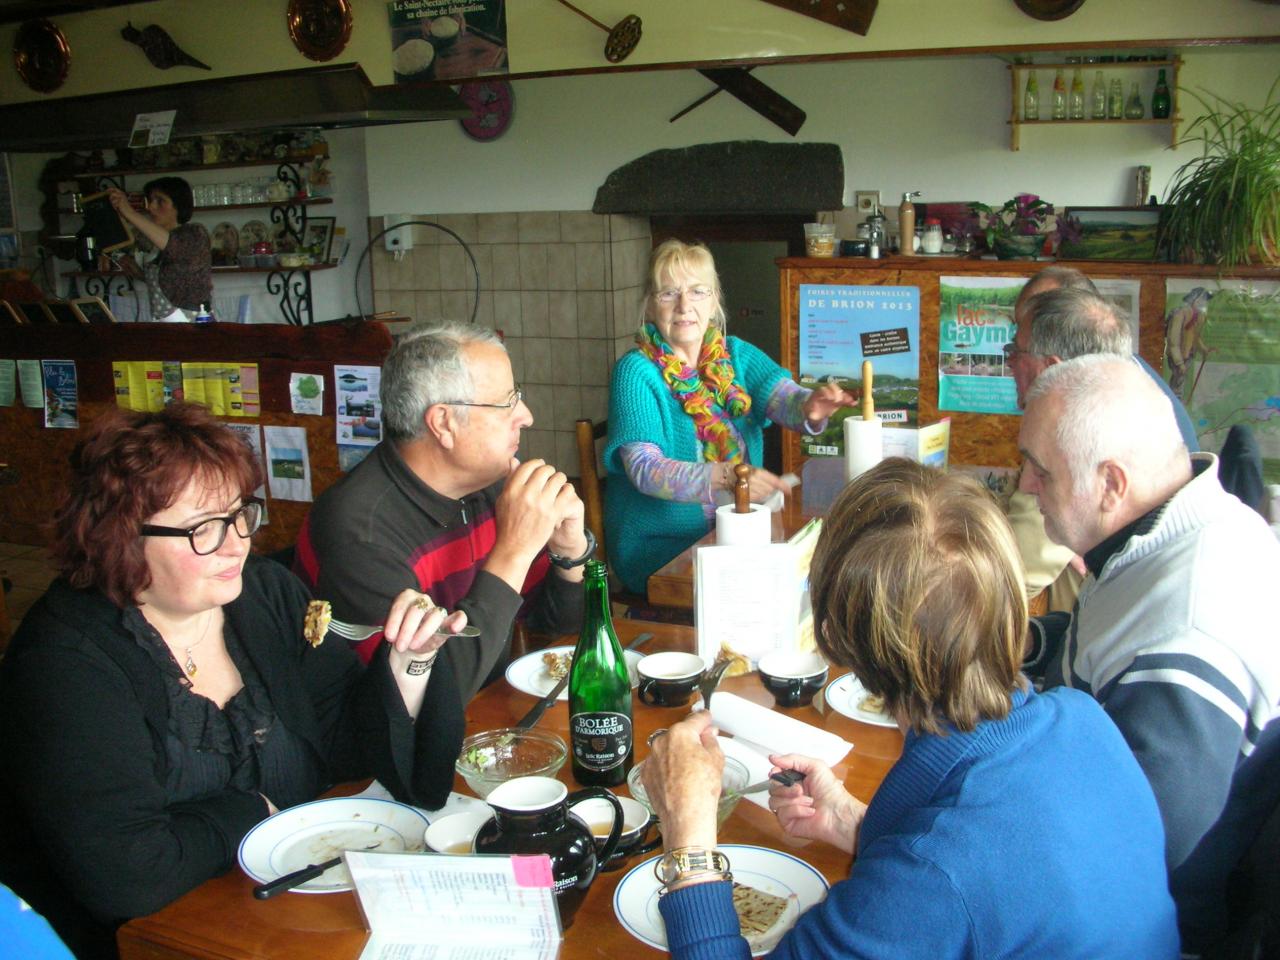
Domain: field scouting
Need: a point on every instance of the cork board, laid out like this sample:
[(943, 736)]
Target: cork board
[(37, 457)]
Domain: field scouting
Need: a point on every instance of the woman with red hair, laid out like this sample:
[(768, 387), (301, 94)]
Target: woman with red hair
[(161, 698)]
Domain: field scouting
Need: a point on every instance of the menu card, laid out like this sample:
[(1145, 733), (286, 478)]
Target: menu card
[(436, 907), (752, 600)]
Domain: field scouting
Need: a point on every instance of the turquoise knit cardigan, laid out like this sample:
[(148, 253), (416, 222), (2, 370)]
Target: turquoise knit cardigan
[(645, 532)]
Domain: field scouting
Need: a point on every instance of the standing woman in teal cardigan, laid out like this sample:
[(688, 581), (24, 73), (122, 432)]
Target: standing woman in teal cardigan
[(685, 406)]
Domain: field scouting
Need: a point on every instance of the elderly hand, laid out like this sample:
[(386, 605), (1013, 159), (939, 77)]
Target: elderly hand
[(413, 623), (826, 400), (682, 779), (817, 808), (536, 499), (760, 482)]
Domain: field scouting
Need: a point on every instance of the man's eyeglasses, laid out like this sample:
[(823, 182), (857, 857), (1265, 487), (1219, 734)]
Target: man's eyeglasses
[(510, 403), (693, 294), (207, 536), (1012, 350)]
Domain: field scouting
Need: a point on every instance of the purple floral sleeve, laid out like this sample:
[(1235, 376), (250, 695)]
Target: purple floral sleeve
[(786, 407)]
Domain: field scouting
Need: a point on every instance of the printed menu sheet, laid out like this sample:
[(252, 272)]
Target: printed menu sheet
[(437, 907), (358, 412)]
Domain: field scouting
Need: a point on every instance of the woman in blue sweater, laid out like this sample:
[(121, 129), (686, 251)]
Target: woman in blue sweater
[(1014, 824), (685, 406)]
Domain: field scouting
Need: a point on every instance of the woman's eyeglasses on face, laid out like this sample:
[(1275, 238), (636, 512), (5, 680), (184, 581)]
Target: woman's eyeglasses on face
[(207, 536), (1012, 350), (509, 404), (693, 294)]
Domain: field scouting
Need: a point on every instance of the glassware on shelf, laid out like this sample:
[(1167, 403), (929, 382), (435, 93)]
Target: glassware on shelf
[(1031, 98), (1098, 97), (1161, 102), (1059, 97), (1115, 100), (1133, 108), (1075, 107)]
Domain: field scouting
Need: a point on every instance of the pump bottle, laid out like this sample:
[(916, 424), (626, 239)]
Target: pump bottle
[(907, 224)]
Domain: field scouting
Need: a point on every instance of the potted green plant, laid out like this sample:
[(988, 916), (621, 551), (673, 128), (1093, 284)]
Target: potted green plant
[(1016, 229), (1223, 207)]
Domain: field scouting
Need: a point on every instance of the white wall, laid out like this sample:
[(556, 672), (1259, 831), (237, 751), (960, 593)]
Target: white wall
[(937, 125)]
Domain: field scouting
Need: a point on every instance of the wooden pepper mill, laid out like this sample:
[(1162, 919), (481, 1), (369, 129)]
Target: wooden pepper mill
[(742, 489)]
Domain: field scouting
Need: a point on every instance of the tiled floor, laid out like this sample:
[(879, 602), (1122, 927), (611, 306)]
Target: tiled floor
[(30, 570)]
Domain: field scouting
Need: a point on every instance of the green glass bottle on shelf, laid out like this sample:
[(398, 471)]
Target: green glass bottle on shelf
[(1161, 102), (1031, 98), (600, 727)]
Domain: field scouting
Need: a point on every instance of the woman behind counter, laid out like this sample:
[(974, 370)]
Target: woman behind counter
[(181, 277), (1014, 824), (160, 699), (685, 406)]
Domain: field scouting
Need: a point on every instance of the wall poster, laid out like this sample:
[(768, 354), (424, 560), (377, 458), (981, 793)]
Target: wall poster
[(975, 316), (840, 326), (1222, 357), (447, 39)]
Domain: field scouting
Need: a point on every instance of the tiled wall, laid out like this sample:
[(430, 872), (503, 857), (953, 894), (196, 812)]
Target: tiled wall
[(563, 287)]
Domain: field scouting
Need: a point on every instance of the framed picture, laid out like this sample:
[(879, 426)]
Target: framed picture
[(1108, 233), (9, 315), (92, 310), (318, 237)]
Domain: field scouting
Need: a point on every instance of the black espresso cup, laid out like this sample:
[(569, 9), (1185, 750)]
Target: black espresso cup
[(669, 679), (792, 677), (636, 824)]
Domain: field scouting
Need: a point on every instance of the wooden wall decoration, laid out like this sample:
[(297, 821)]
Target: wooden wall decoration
[(38, 457)]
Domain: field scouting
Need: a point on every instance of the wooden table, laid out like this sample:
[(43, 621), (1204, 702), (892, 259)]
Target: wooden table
[(220, 920), (672, 584)]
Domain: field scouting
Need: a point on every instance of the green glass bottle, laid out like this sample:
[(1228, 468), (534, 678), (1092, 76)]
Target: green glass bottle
[(600, 731), (1161, 102)]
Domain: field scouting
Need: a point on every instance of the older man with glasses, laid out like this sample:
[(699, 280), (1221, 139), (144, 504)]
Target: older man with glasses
[(1060, 316), (443, 506)]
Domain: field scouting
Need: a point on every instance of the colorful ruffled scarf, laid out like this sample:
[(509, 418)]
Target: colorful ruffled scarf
[(708, 393)]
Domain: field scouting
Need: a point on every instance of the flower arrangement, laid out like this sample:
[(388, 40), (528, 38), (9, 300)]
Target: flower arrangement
[(1018, 227)]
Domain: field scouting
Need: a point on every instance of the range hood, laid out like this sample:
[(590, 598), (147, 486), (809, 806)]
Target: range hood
[(324, 96)]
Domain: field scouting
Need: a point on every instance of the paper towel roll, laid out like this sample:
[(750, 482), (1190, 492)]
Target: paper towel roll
[(743, 529), (863, 445)]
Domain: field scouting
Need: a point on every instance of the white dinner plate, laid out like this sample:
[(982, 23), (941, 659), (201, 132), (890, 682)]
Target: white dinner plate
[(530, 675), (321, 830), (843, 696), (635, 901)]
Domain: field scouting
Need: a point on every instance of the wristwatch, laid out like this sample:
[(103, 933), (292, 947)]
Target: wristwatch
[(688, 861), (568, 563)]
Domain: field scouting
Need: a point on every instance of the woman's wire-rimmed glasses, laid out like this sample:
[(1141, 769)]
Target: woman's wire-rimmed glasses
[(511, 402), (207, 536), (693, 294)]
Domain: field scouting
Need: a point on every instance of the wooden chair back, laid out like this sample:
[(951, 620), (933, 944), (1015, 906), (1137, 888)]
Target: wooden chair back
[(586, 434)]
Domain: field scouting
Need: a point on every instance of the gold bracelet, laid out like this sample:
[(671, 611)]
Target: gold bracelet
[(689, 861), (682, 881)]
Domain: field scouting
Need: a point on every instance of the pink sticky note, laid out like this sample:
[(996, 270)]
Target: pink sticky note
[(533, 871)]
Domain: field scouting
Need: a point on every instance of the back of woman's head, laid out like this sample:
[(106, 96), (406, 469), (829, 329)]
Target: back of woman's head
[(129, 468), (917, 588)]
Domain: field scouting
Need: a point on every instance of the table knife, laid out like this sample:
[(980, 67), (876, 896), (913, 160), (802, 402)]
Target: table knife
[(535, 713)]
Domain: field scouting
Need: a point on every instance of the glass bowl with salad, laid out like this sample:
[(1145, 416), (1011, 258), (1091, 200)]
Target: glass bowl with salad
[(496, 756)]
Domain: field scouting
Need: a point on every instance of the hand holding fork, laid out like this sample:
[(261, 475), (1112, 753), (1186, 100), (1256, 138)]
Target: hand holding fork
[(416, 628)]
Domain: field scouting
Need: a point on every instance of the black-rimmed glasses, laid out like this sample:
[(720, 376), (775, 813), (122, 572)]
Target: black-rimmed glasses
[(207, 536), (511, 402)]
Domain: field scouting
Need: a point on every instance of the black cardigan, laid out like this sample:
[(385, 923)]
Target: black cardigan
[(83, 717)]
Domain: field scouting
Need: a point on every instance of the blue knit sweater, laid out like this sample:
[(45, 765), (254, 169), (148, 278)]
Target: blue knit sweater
[(645, 532), (1033, 836)]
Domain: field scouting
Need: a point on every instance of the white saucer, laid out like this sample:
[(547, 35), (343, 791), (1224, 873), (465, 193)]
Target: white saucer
[(843, 696)]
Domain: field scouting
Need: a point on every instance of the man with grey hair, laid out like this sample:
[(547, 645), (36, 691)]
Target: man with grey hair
[(443, 506), (1060, 315), (1174, 630)]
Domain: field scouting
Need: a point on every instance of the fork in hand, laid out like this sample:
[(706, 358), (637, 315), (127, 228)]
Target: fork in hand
[(356, 632)]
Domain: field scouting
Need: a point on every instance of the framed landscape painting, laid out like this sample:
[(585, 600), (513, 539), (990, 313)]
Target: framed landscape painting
[(1108, 233)]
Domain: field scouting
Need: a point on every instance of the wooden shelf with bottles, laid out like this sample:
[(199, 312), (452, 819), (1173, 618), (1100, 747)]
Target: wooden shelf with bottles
[(1016, 81)]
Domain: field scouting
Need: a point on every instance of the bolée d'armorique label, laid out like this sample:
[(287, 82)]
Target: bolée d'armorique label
[(600, 741)]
